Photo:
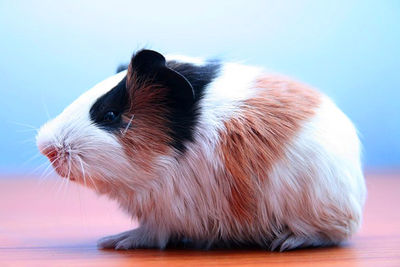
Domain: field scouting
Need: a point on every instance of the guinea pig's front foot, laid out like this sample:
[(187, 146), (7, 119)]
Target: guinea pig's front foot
[(137, 238), (289, 241)]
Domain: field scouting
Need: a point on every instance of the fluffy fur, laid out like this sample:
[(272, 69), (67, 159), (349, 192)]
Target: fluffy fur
[(271, 162)]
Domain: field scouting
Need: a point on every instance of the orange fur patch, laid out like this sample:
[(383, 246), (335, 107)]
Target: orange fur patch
[(257, 138), (147, 135)]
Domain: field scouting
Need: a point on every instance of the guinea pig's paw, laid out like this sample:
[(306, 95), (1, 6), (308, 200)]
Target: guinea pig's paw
[(287, 242), (113, 240), (130, 242), (290, 241)]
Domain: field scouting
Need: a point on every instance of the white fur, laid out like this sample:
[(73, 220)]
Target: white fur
[(322, 163), (83, 146), (76, 113), (223, 98)]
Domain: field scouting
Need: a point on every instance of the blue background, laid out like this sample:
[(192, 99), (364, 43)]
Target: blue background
[(52, 51)]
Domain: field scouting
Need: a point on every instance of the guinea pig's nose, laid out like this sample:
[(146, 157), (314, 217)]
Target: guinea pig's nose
[(51, 152)]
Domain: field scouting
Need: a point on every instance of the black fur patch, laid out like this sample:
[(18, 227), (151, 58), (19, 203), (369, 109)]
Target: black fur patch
[(116, 101), (183, 114), (183, 122)]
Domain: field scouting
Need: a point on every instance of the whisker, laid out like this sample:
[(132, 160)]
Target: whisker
[(65, 183), (128, 125), (35, 156), (45, 107), (48, 170), (66, 187), (41, 180), (26, 130), (93, 183), (24, 125), (80, 201), (48, 145), (50, 165), (83, 170), (60, 186), (26, 141), (37, 168), (90, 178), (69, 172), (44, 178)]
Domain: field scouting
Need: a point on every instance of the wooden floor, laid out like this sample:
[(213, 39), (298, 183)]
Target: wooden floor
[(53, 224)]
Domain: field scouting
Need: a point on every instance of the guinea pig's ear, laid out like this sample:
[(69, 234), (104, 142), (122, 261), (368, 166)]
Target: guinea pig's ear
[(151, 65)]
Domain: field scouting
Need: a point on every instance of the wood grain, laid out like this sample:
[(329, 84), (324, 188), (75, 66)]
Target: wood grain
[(51, 224)]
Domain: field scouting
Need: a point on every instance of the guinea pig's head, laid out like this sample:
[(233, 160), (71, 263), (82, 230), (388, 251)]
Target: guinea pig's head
[(114, 132)]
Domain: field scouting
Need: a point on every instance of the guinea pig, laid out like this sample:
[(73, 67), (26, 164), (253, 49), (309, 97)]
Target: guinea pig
[(211, 154)]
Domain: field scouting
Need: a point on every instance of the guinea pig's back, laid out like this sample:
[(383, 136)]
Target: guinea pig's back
[(291, 147)]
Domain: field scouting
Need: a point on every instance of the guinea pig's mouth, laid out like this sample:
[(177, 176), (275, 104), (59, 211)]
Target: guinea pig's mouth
[(61, 160), (64, 172), (63, 168)]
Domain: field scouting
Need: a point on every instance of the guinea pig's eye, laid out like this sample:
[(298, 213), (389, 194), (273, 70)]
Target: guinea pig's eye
[(109, 116)]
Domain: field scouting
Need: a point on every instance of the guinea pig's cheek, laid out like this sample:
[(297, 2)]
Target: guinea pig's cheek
[(100, 157)]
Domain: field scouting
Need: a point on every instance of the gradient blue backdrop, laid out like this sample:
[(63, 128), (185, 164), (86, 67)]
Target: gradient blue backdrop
[(52, 51)]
